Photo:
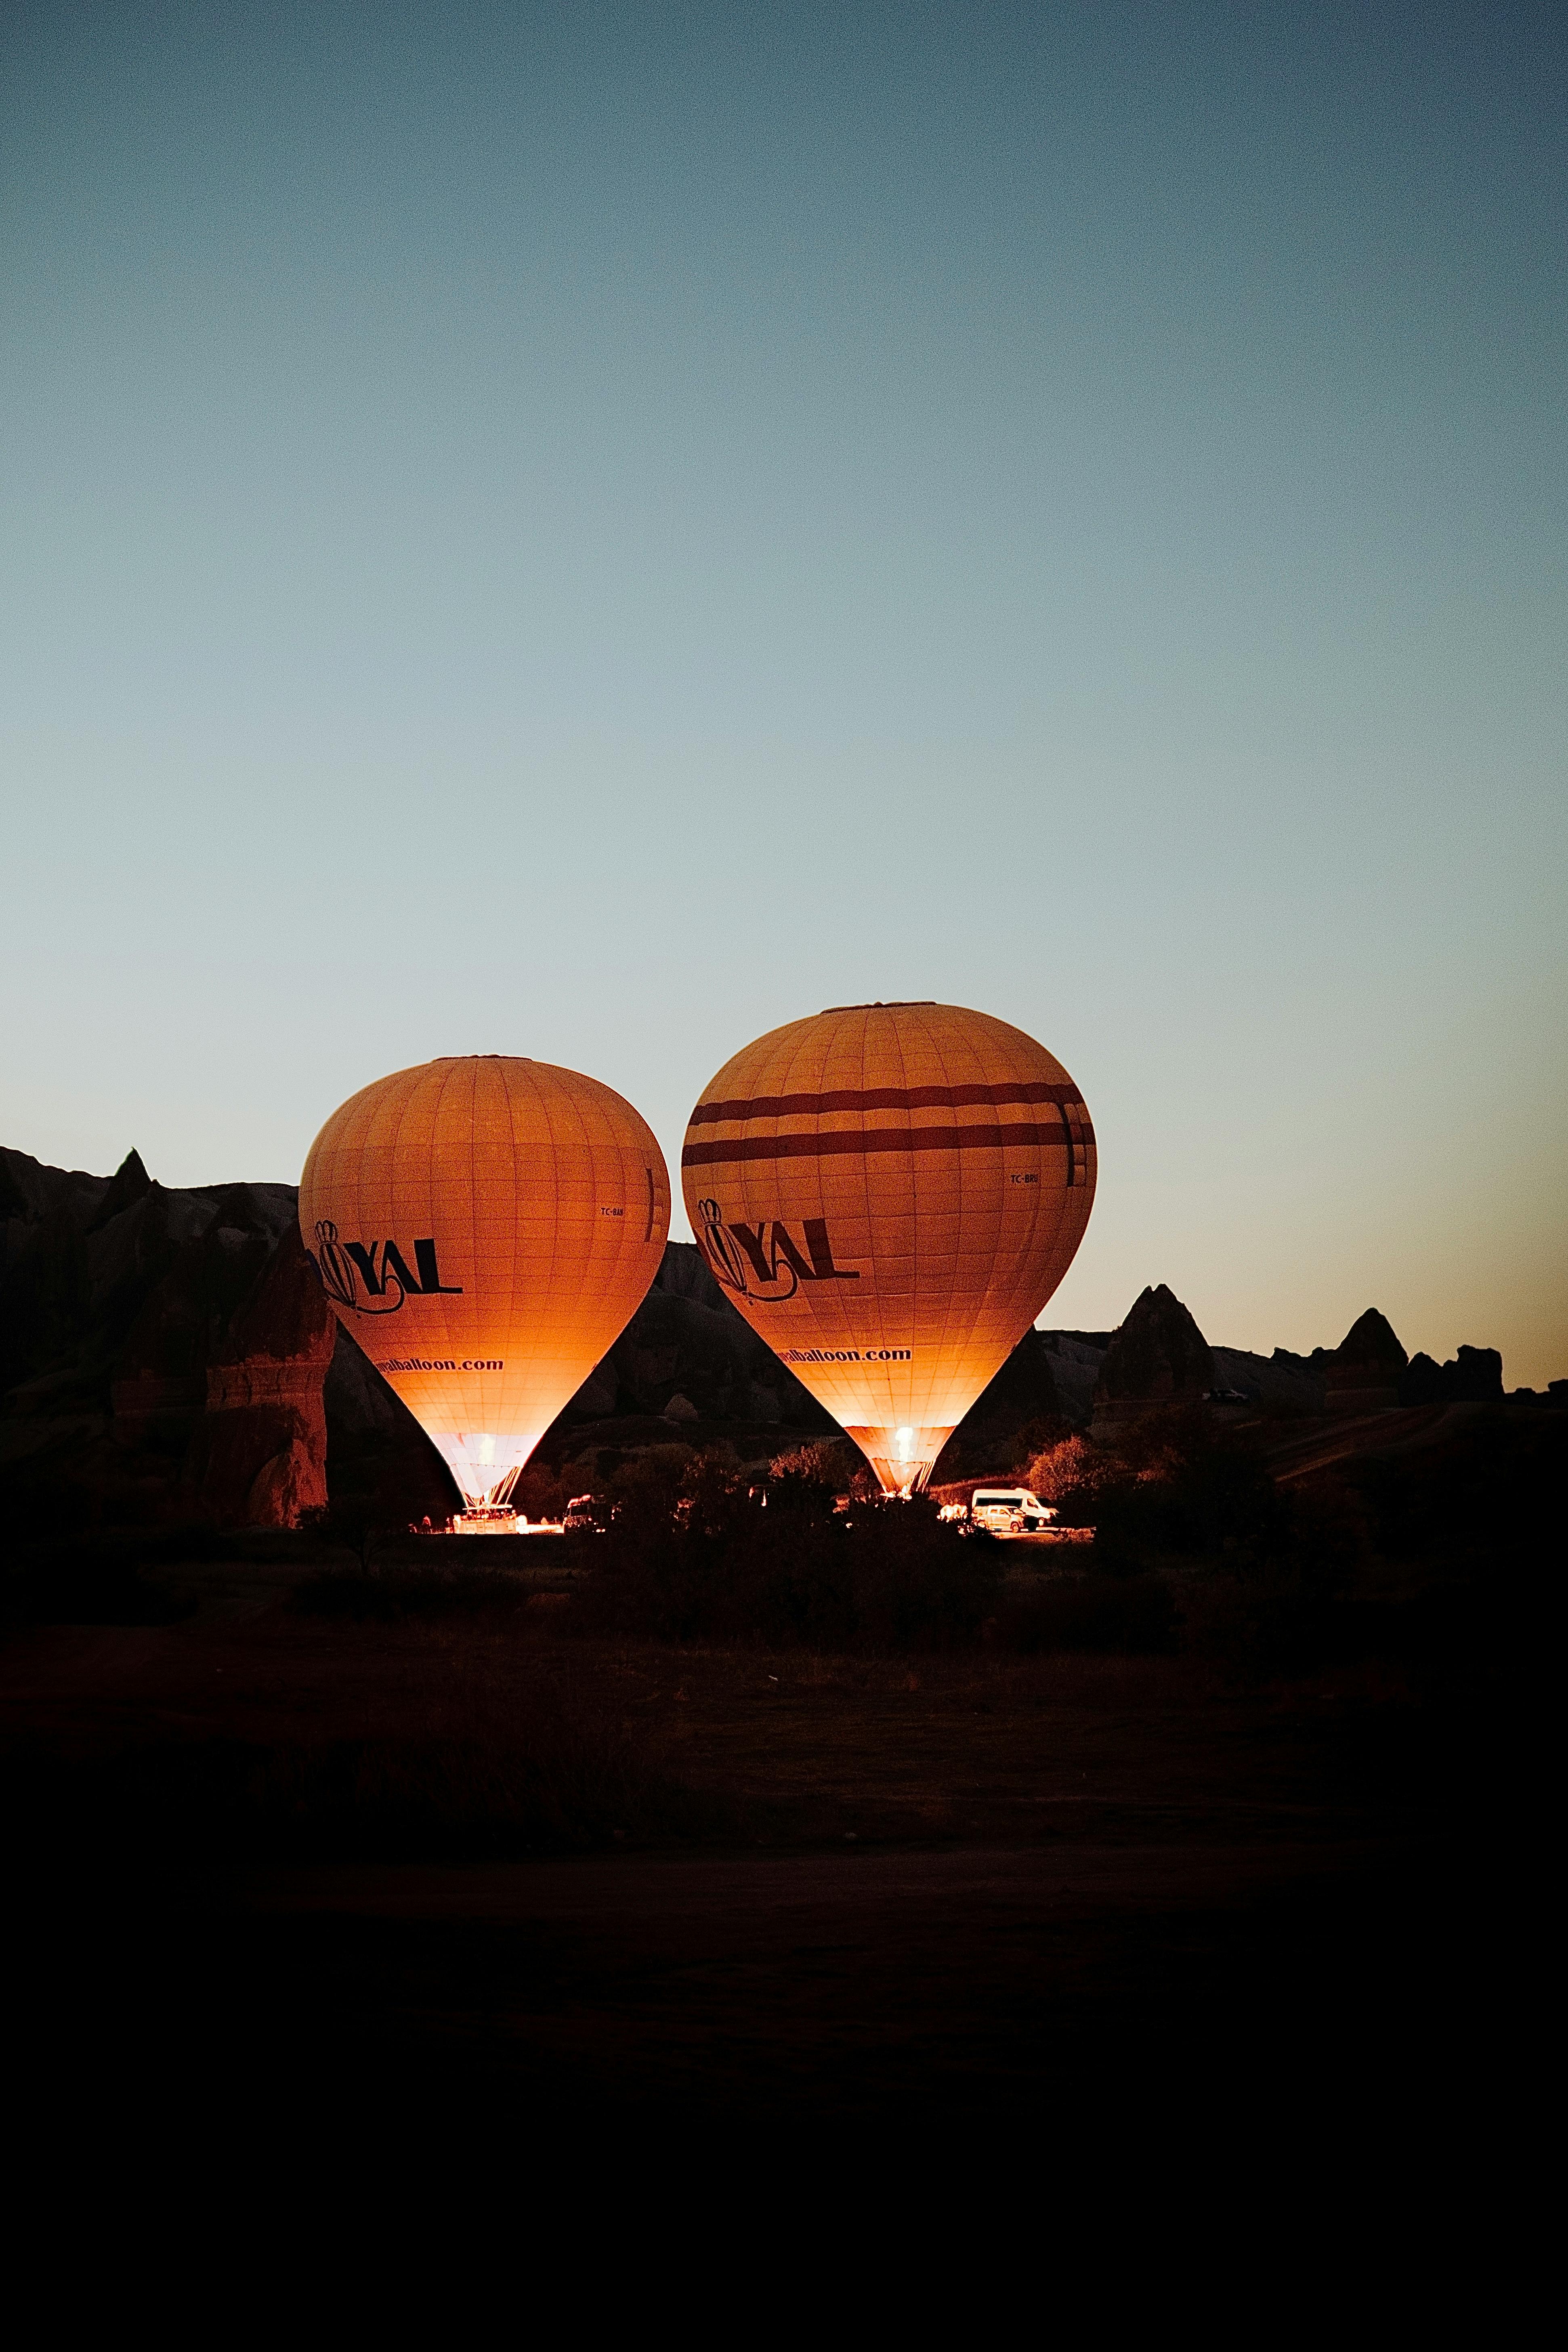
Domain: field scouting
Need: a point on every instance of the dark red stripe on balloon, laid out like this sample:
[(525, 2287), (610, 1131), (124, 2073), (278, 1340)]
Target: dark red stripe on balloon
[(880, 1138), (885, 1098)]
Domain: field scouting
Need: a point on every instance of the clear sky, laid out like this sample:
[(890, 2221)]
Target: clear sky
[(592, 531)]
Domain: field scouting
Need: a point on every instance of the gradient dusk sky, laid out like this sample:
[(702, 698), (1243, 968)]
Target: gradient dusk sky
[(592, 531)]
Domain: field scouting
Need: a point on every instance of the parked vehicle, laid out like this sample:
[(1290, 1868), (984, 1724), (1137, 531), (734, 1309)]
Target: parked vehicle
[(1009, 1511)]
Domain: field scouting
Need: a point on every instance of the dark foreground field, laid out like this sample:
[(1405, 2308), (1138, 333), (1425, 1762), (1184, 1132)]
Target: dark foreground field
[(318, 1881)]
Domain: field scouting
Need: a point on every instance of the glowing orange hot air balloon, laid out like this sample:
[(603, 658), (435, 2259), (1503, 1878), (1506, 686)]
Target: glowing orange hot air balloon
[(890, 1194), (485, 1226)]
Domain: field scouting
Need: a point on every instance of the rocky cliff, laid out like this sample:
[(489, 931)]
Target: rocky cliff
[(161, 1352), (1472, 1377), (262, 1433)]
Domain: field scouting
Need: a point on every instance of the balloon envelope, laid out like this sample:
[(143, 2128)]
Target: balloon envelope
[(485, 1226), (890, 1194)]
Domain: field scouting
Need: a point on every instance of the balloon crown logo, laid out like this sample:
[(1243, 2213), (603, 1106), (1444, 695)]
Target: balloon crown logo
[(762, 1261), (345, 1267)]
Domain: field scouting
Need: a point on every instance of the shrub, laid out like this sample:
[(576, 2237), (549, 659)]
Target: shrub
[(701, 1550), (829, 1464), (916, 1584), (1075, 1475), (541, 1492), (1176, 1485)]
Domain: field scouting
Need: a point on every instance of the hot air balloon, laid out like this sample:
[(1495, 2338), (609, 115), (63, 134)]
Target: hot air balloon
[(890, 1194), (486, 1226)]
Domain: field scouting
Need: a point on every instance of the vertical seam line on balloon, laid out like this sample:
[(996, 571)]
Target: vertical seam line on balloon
[(547, 1103), (846, 1024), (962, 1320), (922, 1380), (473, 1186), (914, 1220), (505, 1069)]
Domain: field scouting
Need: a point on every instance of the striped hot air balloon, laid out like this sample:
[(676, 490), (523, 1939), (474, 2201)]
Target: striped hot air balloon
[(486, 1226), (890, 1194)]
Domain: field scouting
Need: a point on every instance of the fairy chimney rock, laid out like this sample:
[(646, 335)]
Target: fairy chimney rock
[(1158, 1356), (128, 1184), (1363, 1373)]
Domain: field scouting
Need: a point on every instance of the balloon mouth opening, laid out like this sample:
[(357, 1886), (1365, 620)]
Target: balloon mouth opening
[(486, 1464), (903, 1457)]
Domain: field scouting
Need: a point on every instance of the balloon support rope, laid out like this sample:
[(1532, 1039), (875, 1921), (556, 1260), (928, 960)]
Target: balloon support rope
[(501, 1495)]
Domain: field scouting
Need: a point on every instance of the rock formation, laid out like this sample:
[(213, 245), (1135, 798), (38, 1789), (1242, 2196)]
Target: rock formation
[(687, 1339), (116, 1294), (128, 1184), (1363, 1375), (1158, 1356), (1473, 1377), (260, 1454), (1280, 1382), (1021, 1396), (1076, 1358)]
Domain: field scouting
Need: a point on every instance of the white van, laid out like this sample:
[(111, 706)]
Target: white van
[(1009, 1511)]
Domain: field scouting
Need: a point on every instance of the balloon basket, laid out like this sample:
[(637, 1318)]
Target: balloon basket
[(488, 1520)]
